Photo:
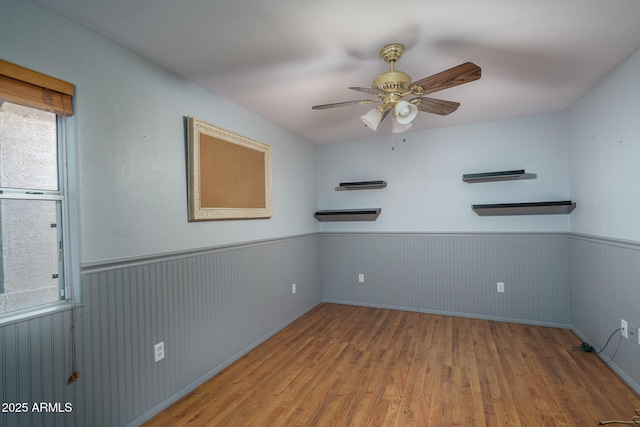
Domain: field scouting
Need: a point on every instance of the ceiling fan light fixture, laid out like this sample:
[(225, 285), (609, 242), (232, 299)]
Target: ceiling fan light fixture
[(399, 128), (372, 119), (405, 112)]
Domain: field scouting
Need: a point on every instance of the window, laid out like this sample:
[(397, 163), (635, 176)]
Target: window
[(33, 205)]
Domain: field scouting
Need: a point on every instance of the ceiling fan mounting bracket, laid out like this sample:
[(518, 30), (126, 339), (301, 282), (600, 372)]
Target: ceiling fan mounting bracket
[(391, 53)]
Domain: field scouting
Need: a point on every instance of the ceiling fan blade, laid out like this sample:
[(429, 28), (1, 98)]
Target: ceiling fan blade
[(342, 104), (370, 90), (463, 73), (435, 106)]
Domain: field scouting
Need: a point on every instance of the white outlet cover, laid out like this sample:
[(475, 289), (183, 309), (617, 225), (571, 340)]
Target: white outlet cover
[(293, 288), (500, 286), (625, 328), (361, 278), (158, 351)]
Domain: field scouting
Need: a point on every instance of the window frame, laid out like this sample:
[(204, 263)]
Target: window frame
[(57, 196), (65, 196)]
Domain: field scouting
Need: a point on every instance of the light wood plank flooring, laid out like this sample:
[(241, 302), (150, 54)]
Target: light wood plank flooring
[(341, 365)]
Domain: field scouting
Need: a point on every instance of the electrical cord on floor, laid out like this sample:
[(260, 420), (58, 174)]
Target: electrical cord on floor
[(587, 348), (634, 421)]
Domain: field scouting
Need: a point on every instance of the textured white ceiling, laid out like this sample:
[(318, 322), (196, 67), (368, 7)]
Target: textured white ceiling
[(278, 58)]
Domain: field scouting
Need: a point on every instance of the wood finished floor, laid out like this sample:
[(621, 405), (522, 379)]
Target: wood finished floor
[(341, 365)]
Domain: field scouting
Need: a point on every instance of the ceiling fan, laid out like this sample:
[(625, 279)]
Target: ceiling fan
[(393, 85)]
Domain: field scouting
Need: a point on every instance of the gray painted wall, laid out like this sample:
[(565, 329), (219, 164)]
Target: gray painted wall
[(35, 364), (209, 308), (604, 289), (452, 274)]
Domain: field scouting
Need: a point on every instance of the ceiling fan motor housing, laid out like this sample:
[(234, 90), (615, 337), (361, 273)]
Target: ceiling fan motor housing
[(394, 82)]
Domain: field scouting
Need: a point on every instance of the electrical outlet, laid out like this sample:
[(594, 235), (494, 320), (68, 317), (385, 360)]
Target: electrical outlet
[(638, 336), (500, 286), (361, 278), (625, 328), (632, 332), (293, 288), (158, 351)]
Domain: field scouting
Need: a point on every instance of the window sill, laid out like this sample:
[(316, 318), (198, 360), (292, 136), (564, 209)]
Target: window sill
[(28, 314)]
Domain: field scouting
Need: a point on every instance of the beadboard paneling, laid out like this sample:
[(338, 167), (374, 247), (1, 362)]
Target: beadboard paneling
[(452, 273), (209, 307), (35, 364), (605, 287)]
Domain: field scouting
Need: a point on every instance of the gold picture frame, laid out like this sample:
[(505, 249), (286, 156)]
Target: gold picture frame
[(229, 175)]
